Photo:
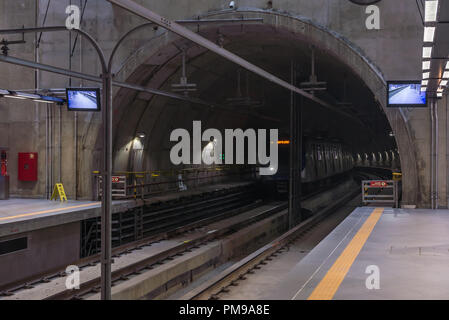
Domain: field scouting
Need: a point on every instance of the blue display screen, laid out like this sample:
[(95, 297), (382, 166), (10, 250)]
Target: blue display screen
[(83, 100), (403, 94)]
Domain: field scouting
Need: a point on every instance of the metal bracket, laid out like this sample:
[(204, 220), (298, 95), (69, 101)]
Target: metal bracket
[(5, 43)]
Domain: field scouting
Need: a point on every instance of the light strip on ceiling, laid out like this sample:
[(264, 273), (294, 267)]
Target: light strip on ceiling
[(429, 34), (427, 52), (431, 11)]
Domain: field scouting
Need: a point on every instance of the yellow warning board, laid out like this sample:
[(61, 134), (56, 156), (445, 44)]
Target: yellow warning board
[(397, 176), (59, 191)]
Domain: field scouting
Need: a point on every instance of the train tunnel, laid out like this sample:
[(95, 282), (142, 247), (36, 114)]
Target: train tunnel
[(353, 115)]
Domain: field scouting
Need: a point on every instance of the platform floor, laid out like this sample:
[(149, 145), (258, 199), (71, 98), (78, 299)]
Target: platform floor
[(404, 251), (19, 215)]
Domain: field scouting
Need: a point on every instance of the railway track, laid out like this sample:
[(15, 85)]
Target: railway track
[(230, 208), (231, 277), (151, 262), (186, 215), (92, 285)]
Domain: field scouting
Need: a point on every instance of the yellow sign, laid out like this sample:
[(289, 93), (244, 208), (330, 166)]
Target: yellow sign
[(59, 191), (397, 176)]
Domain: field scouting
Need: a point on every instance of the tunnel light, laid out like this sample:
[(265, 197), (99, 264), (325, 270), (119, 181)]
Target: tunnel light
[(424, 83), (445, 75), (13, 96), (429, 34), (43, 101), (426, 65), (426, 52), (431, 11), (426, 75), (27, 95)]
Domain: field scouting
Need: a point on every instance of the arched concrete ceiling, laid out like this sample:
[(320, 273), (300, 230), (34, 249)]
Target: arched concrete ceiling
[(217, 82), (271, 46)]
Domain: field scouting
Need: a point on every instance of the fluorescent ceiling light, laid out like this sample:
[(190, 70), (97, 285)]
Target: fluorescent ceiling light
[(445, 75), (440, 90), (426, 75), (439, 94), (424, 82), (423, 88), (4, 91), (43, 101), (447, 65), (431, 11), (12, 96), (429, 34), (27, 95), (426, 65), (443, 83), (427, 52)]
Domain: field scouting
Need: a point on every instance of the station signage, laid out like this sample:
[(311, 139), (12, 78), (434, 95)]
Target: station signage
[(378, 184)]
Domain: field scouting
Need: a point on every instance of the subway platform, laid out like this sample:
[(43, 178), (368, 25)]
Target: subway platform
[(18, 215), (376, 253)]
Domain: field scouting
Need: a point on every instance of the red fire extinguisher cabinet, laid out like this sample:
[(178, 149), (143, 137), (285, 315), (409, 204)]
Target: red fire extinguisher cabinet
[(27, 166)]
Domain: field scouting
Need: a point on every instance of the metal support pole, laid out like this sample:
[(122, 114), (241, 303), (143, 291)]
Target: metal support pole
[(298, 109), (292, 136), (107, 187)]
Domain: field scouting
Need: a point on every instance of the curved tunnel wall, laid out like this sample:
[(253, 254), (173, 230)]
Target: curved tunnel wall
[(157, 64)]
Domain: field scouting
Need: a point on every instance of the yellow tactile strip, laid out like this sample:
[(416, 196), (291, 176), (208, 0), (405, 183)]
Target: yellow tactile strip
[(329, 285), (49, 211)]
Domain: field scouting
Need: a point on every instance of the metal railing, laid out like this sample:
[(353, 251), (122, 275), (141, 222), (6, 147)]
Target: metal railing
[(380, 192), (142, 184)]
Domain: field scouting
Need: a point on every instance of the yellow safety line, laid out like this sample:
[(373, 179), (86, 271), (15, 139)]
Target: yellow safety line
[(329, 285), (48, 211)]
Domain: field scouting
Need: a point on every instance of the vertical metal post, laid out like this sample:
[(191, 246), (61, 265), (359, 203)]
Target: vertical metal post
[(292, 151), (299, 153), (107, 186)]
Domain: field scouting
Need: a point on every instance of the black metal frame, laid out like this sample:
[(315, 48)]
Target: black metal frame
[(404, 105), (98, 95)]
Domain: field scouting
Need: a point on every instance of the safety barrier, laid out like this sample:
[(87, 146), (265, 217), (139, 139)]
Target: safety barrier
[(119, 187), (380, 191), (141, 184)]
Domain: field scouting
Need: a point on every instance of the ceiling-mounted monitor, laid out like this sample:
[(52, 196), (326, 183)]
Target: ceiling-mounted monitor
[(83, 99), (406, 94)]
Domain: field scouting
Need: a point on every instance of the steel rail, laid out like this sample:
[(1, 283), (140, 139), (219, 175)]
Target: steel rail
[(236, 272), (147, 263)]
